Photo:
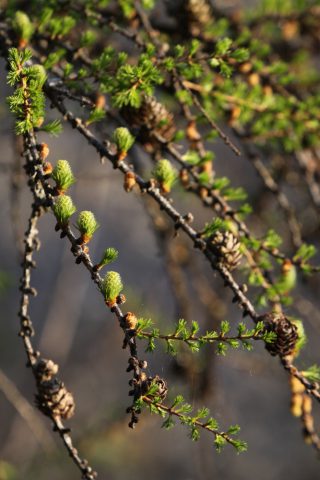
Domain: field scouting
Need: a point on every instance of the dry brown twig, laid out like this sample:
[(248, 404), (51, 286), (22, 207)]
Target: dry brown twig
[(57, 400)]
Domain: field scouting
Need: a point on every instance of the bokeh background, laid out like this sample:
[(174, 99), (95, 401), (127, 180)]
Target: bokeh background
[(159, 271)]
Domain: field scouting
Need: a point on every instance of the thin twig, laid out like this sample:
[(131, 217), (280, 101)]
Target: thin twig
[(172, 412), (42, 200), (307, 162), (201, 339), (310, 434), (282, 199)]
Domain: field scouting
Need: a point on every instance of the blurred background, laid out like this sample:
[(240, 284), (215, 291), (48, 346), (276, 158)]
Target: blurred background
[(165, 279)]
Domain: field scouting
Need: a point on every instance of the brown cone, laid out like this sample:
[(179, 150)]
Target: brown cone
[(227, 248), (53, 399), (151, 118), (45, 370), (161, 384), (286, 331)]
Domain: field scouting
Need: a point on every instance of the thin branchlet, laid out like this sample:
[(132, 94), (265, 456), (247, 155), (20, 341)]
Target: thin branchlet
[(42, 201)]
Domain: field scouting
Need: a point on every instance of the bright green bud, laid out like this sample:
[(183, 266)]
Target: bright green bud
[(111, 287), (312, 374), (63, 176), (87, 225), (165, 174), (23, 27), (127, 8), (302, 337), (88, 38), (288, 279), (109, 256), (148, 4), (63, 208), (123, 139), (38, 73)]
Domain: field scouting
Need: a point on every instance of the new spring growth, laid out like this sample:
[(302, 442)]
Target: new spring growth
[(63, 208), (302, 338), (63, 176), (87, 225), (109, 255), (38, 74), (165, 174), (111, 287), (23, 28), (288, 279), (124, 141), (27, 101)]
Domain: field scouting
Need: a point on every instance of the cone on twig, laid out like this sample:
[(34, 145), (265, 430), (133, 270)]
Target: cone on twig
[(53, 399), (152, 119), (148, 382), (45, 370), (227, 248), (286, 331)]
